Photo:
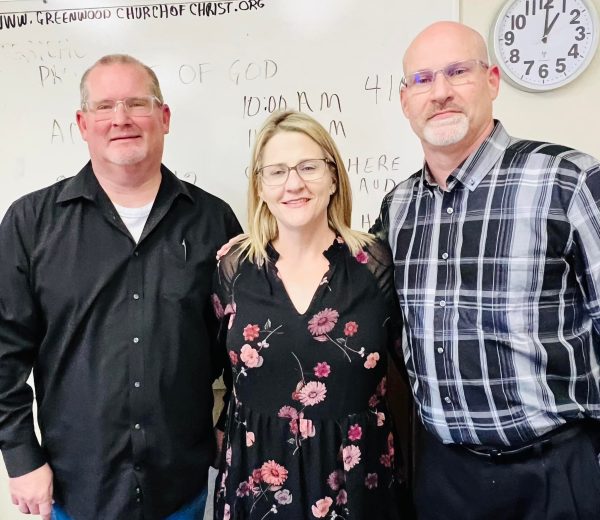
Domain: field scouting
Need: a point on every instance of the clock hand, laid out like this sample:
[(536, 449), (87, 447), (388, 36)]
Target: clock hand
[(548, 28), (544, 36)]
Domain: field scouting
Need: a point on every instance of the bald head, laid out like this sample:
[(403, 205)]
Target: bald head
[(450, 41)]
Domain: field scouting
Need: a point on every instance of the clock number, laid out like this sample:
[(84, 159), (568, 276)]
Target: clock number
[(564, 6), (532, 7), (529, 64), (575, 19), (574, 51), (509, 38), (518, 22), (561, 66), (581, 33), (514, 56), (549, 4), (543, 70)]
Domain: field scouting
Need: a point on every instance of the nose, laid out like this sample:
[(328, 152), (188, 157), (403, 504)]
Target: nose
[(441, 89), (294, 181), (120, 115)]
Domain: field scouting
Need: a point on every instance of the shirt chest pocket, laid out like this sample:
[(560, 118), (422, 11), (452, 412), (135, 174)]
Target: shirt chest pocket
[(186, 273)]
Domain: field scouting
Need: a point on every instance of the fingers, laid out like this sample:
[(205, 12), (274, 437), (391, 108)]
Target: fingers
[(23, 507), (45, 510)]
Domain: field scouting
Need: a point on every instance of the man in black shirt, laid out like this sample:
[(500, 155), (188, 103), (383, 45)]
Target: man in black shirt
[(105, 292)]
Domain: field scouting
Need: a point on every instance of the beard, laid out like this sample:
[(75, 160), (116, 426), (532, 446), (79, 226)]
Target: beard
[(446, 131), (127, 157)]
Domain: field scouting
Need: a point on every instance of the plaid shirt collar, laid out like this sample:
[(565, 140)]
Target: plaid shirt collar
[(475, 167)]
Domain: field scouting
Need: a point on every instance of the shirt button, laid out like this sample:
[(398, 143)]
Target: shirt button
[(136, 340), (137, 426), (137, 384), (440, 350), (137, 467), (138, 490), (136, 253), (136, 296), (449, 211), (445, 256), (138, 500), (447, 399), (442, 303)]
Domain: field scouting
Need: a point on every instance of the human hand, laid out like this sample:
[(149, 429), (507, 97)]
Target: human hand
[(224, 249), (219, 436), (32, 492)]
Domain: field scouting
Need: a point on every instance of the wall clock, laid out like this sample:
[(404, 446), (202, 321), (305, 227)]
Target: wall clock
[(541, 45)]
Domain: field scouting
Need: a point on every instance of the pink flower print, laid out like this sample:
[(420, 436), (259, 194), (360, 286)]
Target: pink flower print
[(296, 393), (228, 456), (362, 257), (351, 456), (335, 479), (217, 307), (350, 328), (342, 498), (372, 360), (306, 427), (287, 412), (386, 460), (354, 432), (233, 357), (312, 393), (230, 309), (382, 387), (390, 444), (256, 476), (321, 508), (371, 480), (323, 322), (380, 418), (244, 489), (250, 438), (322, 369), (283, 497), (250, 356), (251, 332), (273, 473), (373, 401), (226, 512)]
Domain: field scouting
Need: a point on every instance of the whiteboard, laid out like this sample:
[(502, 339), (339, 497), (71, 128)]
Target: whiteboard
[(223, 67)]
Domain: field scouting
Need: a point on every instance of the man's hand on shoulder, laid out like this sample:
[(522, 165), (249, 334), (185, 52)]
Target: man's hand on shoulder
[(32, 492), (224, 249)]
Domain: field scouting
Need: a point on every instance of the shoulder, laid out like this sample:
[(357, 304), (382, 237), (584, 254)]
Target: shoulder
[(540, 153), (378, 253)]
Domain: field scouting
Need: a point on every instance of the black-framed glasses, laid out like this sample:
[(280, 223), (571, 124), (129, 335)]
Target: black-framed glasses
[(457, 73), (135, 106), (308, 170)]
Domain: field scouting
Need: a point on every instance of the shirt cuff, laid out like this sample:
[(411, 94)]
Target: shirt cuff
[(23, 459)]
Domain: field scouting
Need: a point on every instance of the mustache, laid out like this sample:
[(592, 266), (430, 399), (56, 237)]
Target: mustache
[(443, 108)]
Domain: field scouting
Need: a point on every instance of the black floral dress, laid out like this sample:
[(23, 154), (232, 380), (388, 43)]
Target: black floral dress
[(308, 434)]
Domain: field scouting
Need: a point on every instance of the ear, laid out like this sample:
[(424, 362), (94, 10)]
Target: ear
[(403, 102), (166, 117), (82, 123), (493, 80)]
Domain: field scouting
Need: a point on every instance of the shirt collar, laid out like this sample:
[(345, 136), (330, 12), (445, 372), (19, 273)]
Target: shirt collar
[(85, 185), (475, 167)]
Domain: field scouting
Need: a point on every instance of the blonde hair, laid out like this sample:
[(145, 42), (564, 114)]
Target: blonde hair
[(262, 226), (121, 59)]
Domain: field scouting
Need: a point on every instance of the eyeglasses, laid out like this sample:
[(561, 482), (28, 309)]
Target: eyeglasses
[(457, 73), (134, 106), (308, 170)]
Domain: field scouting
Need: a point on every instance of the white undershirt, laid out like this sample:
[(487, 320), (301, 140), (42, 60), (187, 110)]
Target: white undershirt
[(134, 218)]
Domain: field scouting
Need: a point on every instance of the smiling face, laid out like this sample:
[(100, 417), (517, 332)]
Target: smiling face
[(123, 140), (446, 115), (297, 204)]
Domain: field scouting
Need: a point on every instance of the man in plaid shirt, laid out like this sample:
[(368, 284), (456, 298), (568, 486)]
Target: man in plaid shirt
[(496, 243)]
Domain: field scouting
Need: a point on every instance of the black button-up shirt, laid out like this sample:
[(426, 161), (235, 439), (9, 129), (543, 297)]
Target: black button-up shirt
[(121, 340)]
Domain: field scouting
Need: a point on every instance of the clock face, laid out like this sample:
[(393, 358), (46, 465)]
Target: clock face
[(545, 44)]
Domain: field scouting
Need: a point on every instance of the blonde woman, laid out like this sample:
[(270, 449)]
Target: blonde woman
[(309, 316)]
